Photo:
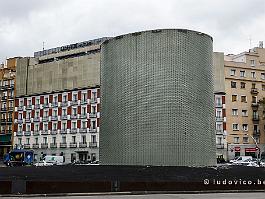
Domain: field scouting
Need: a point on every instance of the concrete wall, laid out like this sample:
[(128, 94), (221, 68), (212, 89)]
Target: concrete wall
[(219, 78)]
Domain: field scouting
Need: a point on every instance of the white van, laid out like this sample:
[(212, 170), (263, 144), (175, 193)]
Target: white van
[(239, 160), (51, 160)]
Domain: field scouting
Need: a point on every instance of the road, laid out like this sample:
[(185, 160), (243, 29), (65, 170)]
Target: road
[(164, 196)]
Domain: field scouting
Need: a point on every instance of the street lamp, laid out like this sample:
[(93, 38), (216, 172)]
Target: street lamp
[(257, 146)]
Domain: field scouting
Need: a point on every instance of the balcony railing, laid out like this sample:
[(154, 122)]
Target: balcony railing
[(74, 102), (54, 104), (220, 146), (37, 106), (63, 131), (64, 117), (254, 91), (219, 119), (9, 120), (92, 115), (256, 132), (26, 146), (54, 118), (36, 132), (44, 145), (82, 145), (254, 105), (93, 101), (4, 98), (255, 119), (45, 118), (219, 105), (3, 109), (27, 133), (19, 133), (20, 121), (29, 107), (27, 120), (54, 132), (53, 145), (219, 132), (20, 108), (46, 105), (74, 116), (65, 103), (36, 119), (3, 121), (91, 130), (93, 144), (73, 145), (83, 130), (11, 108), (83, 116), (83, 102), (44, 132), (73, 131), (35, 146), (63, 145)]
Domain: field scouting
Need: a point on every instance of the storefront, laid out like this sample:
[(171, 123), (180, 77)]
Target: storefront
[(251, 152)]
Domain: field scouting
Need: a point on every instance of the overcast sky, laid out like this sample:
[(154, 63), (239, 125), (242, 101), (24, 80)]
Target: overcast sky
[(235, 25)]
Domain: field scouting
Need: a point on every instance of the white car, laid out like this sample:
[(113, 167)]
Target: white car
[(43, 163)]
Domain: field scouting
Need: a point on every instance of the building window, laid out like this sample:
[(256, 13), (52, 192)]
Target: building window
[(234, 112), (233, 84), (64, 140), (37, 101), (54, 126), (253, 75), (253, 85), (44, 140), (54, 140), (55, 112), (252, 62), (244, 113), (245, 140), (83, 110), (244, 127), (19, 140), (263, 87), (74, 125), (83, 139), (254, 99), (234, 98), (37, 114), (255, 115), (243, 98), (219, 127), (28, 127), (74, 97), (36, 127), (232, 72), (218, 101), (55, 99), (93, 138), (29, 102), (28, 141), (36, 140), (84, 96), (242, 73), (20, 128), (235, 127), (262, 76), (73, 139), (64, 98), (219, 114), (93, 109), (46, 100), (236, 140), (64, 112), (242, 85), (83, 124), (93, 124), (45, 126), (74, 111), (21, 102)]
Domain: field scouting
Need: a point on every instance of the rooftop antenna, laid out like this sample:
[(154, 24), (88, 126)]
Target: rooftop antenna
[(43, 45)]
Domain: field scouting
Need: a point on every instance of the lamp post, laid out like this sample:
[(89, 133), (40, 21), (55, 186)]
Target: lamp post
[(257, 146)]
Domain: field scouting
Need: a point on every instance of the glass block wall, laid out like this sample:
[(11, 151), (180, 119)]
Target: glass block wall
[(157, 99)]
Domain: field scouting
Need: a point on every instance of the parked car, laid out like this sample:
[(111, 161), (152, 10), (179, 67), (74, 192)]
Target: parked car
[(19, 157), (240, 159), (50, 160)]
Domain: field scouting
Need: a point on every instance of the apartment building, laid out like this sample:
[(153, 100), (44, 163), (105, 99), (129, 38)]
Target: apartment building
[(57, 107), (244, 88), (7, 85)]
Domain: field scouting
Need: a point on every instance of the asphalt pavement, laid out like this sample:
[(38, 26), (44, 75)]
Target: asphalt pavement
[(161, 196)]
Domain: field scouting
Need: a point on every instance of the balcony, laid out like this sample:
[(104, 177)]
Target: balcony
[(219, 105), (11, 108), (54, 132), (73, 131), (54, 104), (65, 103), (92, 130), (44, 145), (3, 121), (83, 102), (255, 120), (11, 97), (9, 120), (19, 133), (44, 132), (35, 146), (256, 133), (4, 98), (93, 144), (254, 91), (219, 132), (63, 131), (254, 105), (27, 120), (53, 145), (219, 119), (36, 119), (8, 131), (46, 105), (29, 107), (93, 101), (37, 106), (74, 116), (27, 133), (36, 132), (220, 146), (63, 145), (83, 130), (74, 102), (82, 145), (3, 109), (64, 117), (83, 116), (73, 145), (20, 121), (26, 146), (20, 108), (54, 118), (92, 115), (45, 118)]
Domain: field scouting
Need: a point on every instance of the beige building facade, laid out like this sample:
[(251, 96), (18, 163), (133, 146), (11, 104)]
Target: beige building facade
[(244, 88)]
